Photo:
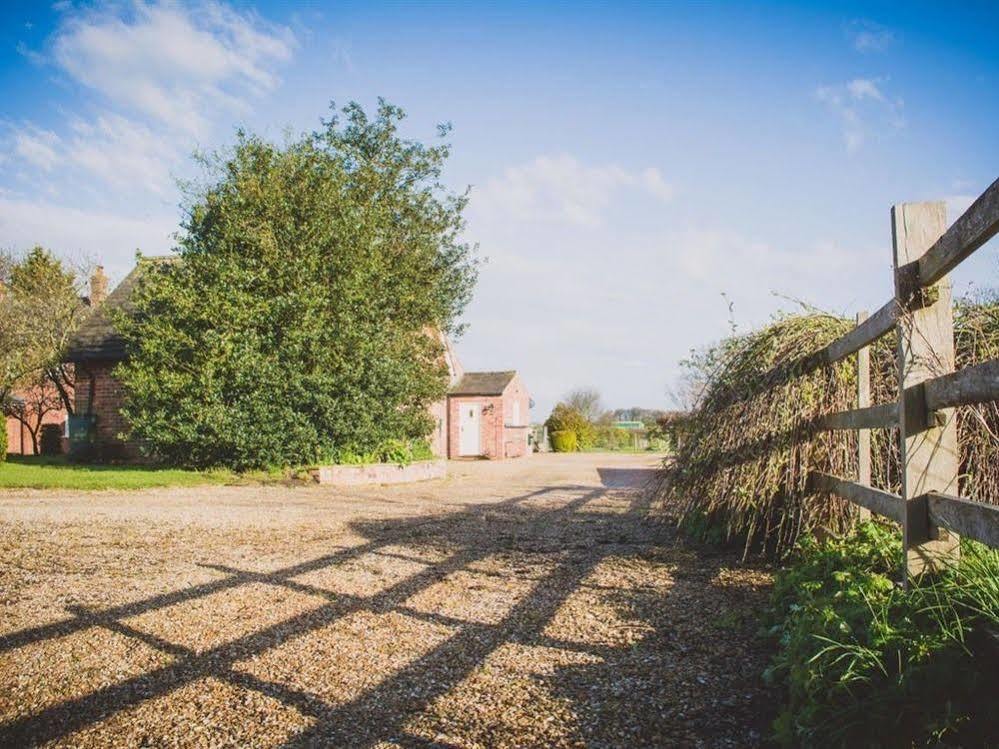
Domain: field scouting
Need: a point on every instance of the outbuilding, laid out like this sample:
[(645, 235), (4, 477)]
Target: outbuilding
[(488, 416)]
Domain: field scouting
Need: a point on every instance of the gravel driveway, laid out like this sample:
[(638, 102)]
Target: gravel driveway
[(516, 603)]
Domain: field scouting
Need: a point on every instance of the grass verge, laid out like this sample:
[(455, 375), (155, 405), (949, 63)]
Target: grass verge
[(33, 472)]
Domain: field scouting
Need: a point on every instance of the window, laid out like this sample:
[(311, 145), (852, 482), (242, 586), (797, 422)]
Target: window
[(516, 413)]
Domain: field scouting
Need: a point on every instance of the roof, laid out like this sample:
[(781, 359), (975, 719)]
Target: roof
[(482, 383), (97, 337)]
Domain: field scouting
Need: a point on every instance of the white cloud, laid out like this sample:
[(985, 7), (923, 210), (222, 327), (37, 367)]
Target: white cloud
[(156, 78), (172, 62), (864, 88), (124, 153), (36, 146), (108, 237), (120, 152), (724, 258), (617, 295), (863, 109), (868, 36), (560, 188)]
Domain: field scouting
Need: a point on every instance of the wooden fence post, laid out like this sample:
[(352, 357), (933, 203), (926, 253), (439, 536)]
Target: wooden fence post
[(864, 400), (929, 449)]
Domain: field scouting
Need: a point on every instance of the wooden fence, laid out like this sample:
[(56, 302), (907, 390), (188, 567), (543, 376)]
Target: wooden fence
[(925, 251)]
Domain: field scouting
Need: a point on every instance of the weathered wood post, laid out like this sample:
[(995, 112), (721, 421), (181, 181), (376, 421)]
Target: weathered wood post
[(863, 401), (929, 449)]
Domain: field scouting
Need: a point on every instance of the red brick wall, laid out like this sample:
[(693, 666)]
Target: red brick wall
[(14, 437), (108, 397), (516, 429), (14, 427)]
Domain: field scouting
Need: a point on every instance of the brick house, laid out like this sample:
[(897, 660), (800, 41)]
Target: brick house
[(488, 416), (94, 351), (484, 413)]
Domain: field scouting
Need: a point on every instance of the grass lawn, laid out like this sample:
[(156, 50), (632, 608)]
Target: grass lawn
[(21, 472)]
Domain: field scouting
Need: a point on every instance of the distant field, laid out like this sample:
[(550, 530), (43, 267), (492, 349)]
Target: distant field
[(54, 473)]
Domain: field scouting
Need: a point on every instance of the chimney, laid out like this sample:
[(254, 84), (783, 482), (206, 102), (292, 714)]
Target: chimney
[(98, 286)]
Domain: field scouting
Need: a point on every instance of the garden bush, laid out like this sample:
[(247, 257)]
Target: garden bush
[(865, 663), (565, 418), (565, 441)]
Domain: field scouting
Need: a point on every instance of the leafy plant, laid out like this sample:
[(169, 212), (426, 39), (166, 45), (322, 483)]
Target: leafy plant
[(400, 452), (866, 663), (51, 440)]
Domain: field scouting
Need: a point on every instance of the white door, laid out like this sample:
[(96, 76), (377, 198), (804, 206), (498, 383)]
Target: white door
[(468, 430)]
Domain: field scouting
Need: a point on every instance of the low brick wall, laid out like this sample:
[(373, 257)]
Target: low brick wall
[(380, 473)]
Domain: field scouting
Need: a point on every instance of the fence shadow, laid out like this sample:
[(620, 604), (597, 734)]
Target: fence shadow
[(556, 541)]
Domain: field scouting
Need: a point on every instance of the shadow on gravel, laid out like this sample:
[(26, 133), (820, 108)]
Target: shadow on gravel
[(626, 478), (689, 675)]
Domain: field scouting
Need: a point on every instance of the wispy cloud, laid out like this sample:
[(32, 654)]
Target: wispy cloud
[(561, 188), (862, 88), (156, 78), (868, 36), (863, 109), (124, 153), (171, 62), (37, 147), (109, 237)]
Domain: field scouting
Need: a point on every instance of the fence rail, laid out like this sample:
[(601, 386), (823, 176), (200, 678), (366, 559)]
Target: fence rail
[(879, 502), (932, 519), (869, 417)]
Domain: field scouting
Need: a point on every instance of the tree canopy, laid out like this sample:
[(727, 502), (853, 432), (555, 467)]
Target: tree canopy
[(40, 309), (586, 401), (301, 318)]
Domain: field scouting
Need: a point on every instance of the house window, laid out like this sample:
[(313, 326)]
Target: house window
[(516, 413)]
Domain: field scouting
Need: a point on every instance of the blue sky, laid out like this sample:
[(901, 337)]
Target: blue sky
[(630, 164)]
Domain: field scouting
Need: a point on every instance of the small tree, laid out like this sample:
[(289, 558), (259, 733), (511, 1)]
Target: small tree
[(297, 323), (587, 402), (40, 309), (32, 403)]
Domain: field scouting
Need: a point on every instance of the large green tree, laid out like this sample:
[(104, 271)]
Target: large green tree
[(300, 319)]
